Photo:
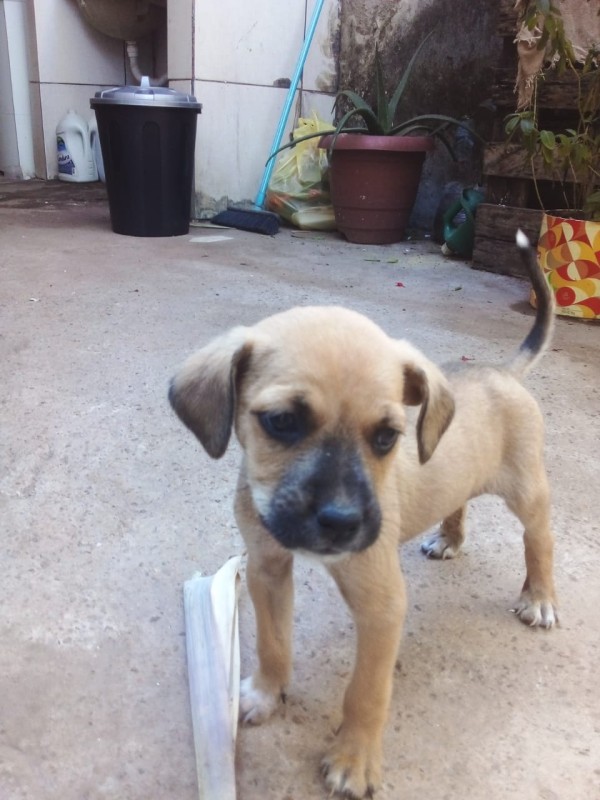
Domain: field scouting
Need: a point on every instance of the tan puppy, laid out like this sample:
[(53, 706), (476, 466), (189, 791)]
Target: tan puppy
[(317, 397)]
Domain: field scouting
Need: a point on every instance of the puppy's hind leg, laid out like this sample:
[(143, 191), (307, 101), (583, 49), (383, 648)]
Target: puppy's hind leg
[(537, 604), (447, 540)]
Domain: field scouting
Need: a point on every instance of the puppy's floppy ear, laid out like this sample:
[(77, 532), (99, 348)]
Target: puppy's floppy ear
[(203, 391), (426, 385)]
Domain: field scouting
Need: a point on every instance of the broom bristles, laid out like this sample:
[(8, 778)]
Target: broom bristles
[(253, 220)]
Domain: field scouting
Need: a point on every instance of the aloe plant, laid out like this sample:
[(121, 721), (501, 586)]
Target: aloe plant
[(380, 119)]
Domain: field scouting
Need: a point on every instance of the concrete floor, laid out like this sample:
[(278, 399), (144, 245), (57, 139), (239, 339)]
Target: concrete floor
[(108, 505)]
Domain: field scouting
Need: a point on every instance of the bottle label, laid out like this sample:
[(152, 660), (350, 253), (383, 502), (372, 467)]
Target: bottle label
[(65, 162)]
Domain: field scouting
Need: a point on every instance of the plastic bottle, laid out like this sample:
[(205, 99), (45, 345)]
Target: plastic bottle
[(75, 157), (96, 149)]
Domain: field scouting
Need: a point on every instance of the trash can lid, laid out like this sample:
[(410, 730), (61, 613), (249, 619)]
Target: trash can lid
[(145, 95)]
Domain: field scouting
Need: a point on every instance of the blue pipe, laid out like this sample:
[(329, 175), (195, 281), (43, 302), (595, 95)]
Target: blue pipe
[(262, 191)]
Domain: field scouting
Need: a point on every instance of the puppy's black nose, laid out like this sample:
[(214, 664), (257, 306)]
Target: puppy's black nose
[(339, 523)]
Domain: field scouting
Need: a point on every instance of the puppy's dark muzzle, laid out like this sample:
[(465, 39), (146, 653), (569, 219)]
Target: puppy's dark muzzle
[(325, 504), (332, 530), (339, 524)]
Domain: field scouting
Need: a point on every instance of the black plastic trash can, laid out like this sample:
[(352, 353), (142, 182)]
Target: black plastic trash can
[(147, 135)]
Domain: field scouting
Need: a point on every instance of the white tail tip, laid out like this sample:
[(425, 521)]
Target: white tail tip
[(522, 240)]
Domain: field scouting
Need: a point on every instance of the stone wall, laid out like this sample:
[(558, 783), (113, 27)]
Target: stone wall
[(453, 74)]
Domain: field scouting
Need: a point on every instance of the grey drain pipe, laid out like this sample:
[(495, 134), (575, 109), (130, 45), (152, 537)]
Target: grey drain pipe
[(132, 54)]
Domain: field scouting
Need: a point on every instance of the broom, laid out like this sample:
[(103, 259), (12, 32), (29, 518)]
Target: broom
[(255, 218)]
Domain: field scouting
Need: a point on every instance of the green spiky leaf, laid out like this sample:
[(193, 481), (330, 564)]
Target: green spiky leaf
[(381, 97), (400, 88), (366, 113), (428, 120), (356, 100)]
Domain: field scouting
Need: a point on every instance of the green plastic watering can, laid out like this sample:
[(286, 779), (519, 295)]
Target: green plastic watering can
[(459, 223)]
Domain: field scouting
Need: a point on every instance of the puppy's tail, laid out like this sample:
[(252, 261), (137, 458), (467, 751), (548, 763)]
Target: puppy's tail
[(540, 335)]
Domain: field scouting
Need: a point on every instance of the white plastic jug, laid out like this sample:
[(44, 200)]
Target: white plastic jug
[(96, 149), (75, 157)]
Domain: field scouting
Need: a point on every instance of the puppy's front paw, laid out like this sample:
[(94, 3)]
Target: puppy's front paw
[(439, 546), (352, 768), (256, 703), (535, 613)]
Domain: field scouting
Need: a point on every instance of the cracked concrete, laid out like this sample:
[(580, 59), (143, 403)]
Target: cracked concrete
[(108, 505)]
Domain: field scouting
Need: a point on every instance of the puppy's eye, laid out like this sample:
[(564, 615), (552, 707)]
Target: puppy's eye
[(285, 426), (384, 439)]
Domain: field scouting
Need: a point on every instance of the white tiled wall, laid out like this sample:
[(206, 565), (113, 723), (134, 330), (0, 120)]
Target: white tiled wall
[(71, 51), (321, 69), (247, 43), (9, 150), (16, 132), (234, 137), (70, 62), (240, 51), (229, 54), (73, 61), (180, 40)]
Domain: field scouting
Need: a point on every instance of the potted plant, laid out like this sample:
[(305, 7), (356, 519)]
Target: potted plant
[(375, 161), (565, 170)]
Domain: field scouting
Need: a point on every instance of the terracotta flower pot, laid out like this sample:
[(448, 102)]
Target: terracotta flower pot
[(374, 182)]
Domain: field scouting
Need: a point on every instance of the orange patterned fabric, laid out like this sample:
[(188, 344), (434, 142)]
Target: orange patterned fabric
[(569, 252)]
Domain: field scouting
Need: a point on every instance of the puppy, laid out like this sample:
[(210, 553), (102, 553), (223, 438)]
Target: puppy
[(318, 397)]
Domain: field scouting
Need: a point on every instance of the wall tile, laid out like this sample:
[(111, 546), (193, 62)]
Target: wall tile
[(251, 43), (235, 134), (180, 39), (321, 70), (240, 50), (70, 50)]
